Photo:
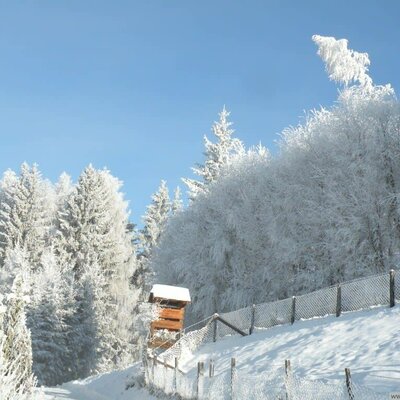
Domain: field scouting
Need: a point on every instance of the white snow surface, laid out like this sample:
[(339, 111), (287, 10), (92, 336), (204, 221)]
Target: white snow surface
[(367, 342), (170, 292), (109, 386)]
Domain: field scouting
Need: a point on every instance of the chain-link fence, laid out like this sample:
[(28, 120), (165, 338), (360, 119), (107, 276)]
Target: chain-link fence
[(354, 295), (238, 385)]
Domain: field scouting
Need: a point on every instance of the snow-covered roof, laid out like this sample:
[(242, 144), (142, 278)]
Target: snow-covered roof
[(170, 292)]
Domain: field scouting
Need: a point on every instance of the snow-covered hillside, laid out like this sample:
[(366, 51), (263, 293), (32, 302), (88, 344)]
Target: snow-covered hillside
[(368, 342)]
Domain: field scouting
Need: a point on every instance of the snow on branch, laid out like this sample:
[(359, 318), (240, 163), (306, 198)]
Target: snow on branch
[(343, 64)]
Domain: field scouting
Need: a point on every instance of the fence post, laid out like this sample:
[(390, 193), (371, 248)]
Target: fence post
[(200, 367), (165, 375), (253, 318), (293, 317), (288, 371), (348, 383), (176, 376), (392, 293), (233, 377), (212, 369), (215, 331), (339, 301), (153, 368)]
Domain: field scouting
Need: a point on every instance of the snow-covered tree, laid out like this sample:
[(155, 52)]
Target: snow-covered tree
[(217, 155), (94, 241), (50, 307), (25, 213), (17, 347), (155, 219), (324, 210), (177, 203)]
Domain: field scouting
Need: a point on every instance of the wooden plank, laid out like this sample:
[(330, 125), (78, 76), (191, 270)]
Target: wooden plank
[(167, 324), (170, 313)]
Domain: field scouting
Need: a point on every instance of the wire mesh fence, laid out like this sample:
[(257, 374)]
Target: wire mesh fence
[(349, 296), (354, 295), (365, 293), (239, 385), (268, 315)]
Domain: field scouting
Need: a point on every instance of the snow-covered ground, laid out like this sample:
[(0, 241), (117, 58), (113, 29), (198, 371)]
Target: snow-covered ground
[(110, 386), (367, 342)]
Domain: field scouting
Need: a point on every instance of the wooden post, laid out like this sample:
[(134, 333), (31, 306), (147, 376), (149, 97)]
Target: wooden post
[(200, 367), (288, 371), (348, 383), (392, 293), (233, 377), (215, 331), (293, 318), (176, 376), (153, 368), (212, 369), (253, 318), (339, 301), (165, 375)]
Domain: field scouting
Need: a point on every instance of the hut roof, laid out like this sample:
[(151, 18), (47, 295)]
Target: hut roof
[(170, 293)]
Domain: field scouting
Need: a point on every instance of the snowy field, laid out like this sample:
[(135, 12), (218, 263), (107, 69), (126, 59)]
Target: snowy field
[(368, 342)]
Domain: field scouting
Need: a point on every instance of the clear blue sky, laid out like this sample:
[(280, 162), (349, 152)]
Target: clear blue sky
[(134, 85)]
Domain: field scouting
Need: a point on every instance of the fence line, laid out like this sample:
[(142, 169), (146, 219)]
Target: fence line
[(359, 294), (237, 385)]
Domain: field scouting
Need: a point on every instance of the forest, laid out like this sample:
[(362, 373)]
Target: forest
[(75, 271)]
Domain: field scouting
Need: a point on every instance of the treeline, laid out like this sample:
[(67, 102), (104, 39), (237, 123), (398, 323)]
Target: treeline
[(324, 209), (73, 271)]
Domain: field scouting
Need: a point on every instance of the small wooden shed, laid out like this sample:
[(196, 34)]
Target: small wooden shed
[(171, 301)]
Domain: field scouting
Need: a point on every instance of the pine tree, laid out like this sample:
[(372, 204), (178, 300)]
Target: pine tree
[(26, 213), (48, 310), (218, 155), (155, 219), (177, 203), (94, 240), (17, 346)]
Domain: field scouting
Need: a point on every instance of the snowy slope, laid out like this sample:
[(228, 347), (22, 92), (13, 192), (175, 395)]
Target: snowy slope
[(110, 386), (368, 342)]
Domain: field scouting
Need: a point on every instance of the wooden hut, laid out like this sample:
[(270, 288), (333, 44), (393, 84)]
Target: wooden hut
[(171, 301)]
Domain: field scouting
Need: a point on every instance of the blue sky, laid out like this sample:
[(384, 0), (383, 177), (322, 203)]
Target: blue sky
[(134, 85)]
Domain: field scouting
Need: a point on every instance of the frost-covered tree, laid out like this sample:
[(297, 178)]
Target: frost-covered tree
[(217, 155), (155, 219), (177, 203), (324, 210), (16, 349), (50, 307), (25, 213), (94, 241)]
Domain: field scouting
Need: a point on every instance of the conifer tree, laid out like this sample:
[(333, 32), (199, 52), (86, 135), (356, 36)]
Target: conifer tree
[(17, 346), (25, 213), (217, 155), (94, 241)]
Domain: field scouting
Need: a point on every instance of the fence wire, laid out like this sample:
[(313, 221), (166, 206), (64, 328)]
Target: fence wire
[(268, 315), (316, 304), (355, 295), (241, 319), (255, 387), (365, 293)]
